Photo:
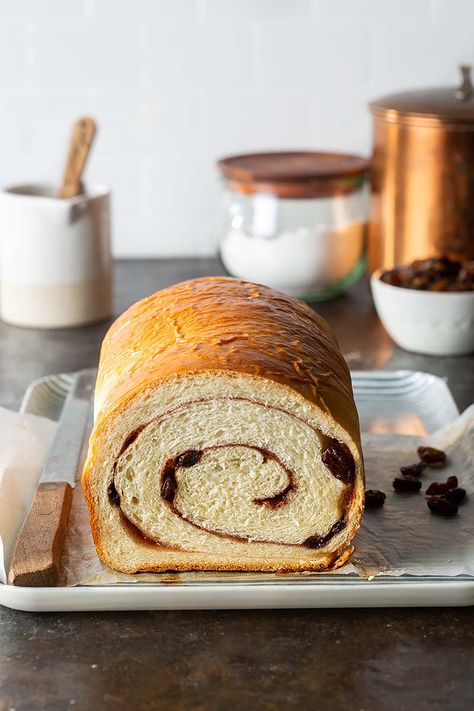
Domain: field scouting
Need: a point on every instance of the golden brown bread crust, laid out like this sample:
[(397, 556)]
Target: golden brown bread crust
[(214, 325), (332, 561), (180, 329)]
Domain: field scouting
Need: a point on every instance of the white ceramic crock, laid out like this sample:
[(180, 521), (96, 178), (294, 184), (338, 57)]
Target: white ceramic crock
[(429, 322), (55, 260)]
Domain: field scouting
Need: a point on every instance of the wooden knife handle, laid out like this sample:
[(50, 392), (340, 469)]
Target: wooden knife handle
[(83, 133), (35, 560)]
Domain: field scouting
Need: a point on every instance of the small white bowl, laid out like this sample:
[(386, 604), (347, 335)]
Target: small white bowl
[(430, 322)]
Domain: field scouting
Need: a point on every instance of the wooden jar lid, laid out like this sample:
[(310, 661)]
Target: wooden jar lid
[(295, 174)]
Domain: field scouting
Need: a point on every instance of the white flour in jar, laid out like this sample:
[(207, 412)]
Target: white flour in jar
[(299, 262)]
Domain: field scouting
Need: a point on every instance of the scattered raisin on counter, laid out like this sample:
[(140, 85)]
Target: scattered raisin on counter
[(445, 496), (431, 457), (413, 469), (374, 499), (406, 483), (437, 488), (456, 496), (442, 498), (440, 506), (433, 274)]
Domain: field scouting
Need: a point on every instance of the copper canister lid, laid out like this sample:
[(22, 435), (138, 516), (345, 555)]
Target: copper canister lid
[(294, 174), (442, 104)]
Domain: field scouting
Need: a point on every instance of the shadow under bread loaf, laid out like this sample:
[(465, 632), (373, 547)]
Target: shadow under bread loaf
[(226, 435)]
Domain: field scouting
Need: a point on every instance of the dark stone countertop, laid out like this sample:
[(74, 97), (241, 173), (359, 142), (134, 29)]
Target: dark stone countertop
[(315, 659)]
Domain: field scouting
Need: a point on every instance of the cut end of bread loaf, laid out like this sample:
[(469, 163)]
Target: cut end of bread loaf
[(223, 466)]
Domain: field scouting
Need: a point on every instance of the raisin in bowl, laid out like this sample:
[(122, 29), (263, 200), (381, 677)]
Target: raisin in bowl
[(427, 306)]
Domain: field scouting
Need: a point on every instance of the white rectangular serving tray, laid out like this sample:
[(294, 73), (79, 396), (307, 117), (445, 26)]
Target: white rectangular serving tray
[(402, 402)]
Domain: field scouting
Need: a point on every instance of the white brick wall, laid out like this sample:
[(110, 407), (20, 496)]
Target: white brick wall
[(174, 84)]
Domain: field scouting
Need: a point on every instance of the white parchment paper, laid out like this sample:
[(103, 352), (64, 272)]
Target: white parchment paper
[(402, 538)]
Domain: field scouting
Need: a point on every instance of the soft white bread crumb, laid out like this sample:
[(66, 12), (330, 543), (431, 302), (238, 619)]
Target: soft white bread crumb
[(218, 492)]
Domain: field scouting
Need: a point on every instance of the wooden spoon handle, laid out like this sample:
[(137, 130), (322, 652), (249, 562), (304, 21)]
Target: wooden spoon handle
[(83, 133), (35, 560)]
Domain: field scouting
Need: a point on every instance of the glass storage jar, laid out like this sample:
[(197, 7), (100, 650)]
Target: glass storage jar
[(295, 221)]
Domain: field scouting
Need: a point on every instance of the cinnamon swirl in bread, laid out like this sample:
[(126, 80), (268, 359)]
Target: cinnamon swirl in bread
[(226, 435)]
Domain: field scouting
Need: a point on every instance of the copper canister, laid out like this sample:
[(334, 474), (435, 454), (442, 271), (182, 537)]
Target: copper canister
[(423, 175)]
